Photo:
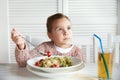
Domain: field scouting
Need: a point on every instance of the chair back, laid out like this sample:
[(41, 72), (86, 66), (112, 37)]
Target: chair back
[(89, 46), (114, 40)]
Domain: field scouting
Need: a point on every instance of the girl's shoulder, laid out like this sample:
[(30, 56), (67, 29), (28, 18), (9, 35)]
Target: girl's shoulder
[(46, 44), (76, 48)]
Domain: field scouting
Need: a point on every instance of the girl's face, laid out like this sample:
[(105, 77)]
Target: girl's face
[(61, 33)]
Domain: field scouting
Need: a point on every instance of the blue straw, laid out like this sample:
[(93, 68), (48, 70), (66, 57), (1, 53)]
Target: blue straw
[(105, 65)]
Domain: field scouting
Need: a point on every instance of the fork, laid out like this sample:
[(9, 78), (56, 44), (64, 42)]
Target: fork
[(40, 52)]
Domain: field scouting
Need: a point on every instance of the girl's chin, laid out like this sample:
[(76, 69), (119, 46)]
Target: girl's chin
[(67, 44), (67, 41)]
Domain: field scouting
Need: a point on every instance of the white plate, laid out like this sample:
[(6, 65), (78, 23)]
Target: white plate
[(50, 75), (76, 65)]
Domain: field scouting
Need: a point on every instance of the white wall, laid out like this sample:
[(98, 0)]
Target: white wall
[(3, 32)]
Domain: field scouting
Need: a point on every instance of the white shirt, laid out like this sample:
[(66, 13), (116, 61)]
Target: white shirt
[(63, 50)]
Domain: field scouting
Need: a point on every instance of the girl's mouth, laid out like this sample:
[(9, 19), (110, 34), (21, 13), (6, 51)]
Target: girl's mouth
[(66, 38)]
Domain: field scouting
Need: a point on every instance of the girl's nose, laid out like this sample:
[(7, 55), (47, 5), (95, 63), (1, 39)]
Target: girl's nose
[(66, 32)]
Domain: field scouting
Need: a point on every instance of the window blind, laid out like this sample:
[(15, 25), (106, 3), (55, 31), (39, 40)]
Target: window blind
[(90, 17), (29, 18), (93, 16), (87, 17)]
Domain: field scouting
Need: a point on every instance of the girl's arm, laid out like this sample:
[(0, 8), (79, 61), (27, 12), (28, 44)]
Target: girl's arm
[(25, 54)]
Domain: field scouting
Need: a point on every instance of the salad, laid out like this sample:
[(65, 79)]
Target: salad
[(53, 62)]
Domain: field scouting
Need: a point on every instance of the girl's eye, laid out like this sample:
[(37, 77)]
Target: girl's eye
[(69, 28), (59, 29)]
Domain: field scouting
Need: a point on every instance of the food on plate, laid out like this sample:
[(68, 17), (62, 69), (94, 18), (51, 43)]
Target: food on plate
[(53, 62), (48, 54)]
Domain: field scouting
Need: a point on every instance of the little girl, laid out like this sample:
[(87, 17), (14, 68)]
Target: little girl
[(60, 34)]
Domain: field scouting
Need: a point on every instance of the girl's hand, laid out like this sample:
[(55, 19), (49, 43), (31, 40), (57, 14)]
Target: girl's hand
[(17, 39)]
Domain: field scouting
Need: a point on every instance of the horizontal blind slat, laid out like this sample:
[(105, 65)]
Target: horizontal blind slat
[(95, 7)]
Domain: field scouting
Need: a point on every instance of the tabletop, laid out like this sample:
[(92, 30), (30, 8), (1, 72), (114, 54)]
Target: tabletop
[(89, 72)]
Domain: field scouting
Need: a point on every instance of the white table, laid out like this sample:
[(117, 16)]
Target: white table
[(13, 72)]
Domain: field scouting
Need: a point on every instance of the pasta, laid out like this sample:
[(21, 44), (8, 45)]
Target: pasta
[(54, 62)]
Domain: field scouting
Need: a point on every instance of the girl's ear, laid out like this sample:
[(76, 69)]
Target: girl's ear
[(49, 35)]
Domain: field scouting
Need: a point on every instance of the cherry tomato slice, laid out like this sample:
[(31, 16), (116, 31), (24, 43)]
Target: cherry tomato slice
[(48, 54), (54, 65), (37, 64)]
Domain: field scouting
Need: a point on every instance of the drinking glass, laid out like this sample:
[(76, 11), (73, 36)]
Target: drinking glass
[(108, 55)]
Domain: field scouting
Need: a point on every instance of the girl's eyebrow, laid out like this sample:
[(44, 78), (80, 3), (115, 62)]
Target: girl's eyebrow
[(57, 27), (61, 26)]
